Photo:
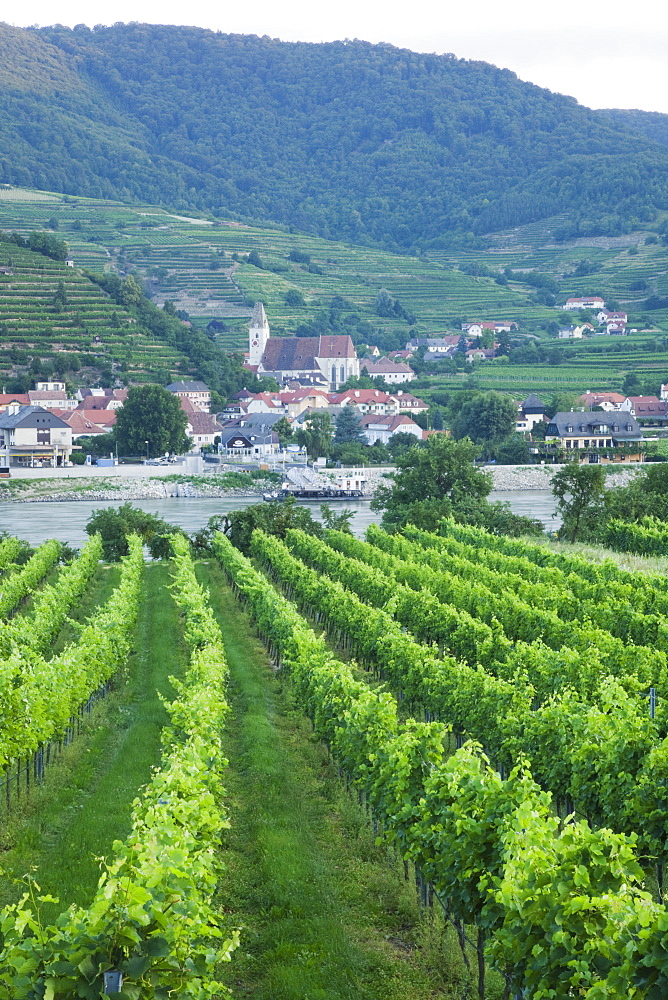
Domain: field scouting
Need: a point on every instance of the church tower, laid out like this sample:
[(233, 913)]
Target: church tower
[(258, 335)]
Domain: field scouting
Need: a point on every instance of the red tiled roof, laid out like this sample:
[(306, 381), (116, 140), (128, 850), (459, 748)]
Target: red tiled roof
[(14, 397)]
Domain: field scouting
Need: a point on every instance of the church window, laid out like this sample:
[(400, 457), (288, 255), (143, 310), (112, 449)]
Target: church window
[(343, 373), (333, 373)]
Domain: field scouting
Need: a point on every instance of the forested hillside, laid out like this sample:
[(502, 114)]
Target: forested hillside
[(653, 124), (346, 140)]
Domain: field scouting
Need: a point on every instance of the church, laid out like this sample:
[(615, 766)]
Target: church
[(327, 360)]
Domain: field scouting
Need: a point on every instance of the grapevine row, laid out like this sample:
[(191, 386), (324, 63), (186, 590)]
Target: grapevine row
[(649, 538), (527, 605), (542, 556), (374, 576), (9, 549), (38, 697), (644, 595), (151, 919), (52, 604), (560, 910), (607, 759), (582, 653), (19, 585)]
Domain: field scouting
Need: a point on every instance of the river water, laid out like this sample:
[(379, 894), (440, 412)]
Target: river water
[(67, 521)]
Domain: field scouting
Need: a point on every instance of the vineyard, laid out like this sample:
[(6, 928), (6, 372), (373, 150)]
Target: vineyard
[(201, 266), (494, 710)]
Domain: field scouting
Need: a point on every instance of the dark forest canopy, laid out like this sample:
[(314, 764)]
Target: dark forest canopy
[(349, 140)]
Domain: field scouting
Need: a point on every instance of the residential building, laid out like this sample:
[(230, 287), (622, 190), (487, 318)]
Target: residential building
[(197, 393), (84, 423), (597, 434), (392, 372), (13, 399), (101, 399), (569, 332), (605, 316), (382, 429), (608, 401), (328, 359), (530, 413), (32, 436), (480, 354), (587, 302), (49, 399), (250, 442), (406, 402), (476, 328), (366, 400), (434, 345), (648, 410)]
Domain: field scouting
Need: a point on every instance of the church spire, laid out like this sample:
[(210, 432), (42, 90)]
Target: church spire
[(258, 334)]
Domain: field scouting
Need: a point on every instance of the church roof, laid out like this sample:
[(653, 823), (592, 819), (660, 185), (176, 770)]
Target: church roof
[(299, 353), (290, 354), (259, 317), (336, 347)]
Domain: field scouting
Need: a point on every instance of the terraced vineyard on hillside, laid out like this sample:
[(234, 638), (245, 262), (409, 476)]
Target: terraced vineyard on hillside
[(48, 308), (191, 262)]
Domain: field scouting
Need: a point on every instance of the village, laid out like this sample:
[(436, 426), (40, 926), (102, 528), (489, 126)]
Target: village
[(43, 427)]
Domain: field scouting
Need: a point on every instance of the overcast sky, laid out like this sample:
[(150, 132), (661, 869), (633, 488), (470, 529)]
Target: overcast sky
[(606, 53)]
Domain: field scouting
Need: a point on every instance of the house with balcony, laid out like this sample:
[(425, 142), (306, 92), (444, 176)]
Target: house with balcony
[(597, 437)]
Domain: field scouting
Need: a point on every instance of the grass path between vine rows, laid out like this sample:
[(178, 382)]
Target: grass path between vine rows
[(324, 915), (85, 803)]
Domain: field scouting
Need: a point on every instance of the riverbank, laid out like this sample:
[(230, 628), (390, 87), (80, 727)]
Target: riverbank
[(223, 486), (248, 484), (539, 477)]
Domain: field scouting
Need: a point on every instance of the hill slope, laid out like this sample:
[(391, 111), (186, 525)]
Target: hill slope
[(652, 124), (346, 140)]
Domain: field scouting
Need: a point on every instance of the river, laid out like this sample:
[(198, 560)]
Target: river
[(67, 521)]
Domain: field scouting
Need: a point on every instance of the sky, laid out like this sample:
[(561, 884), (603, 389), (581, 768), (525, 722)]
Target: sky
[(605, 53)]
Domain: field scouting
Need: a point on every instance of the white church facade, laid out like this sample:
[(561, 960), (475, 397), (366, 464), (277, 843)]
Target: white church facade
[(326, 360)]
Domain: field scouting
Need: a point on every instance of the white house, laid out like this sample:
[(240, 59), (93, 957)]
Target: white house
[(569, 333), (589, 302), (392, 372), (31, 436), (196, 393), (381, 429)]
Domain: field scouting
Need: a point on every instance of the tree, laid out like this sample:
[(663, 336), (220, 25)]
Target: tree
[(294, 299), (316, 436), (579, 491), (283, 428), (384, 304), (430, 482), (348, 427), (255, 259), (560, 402), (514, 450), (151, 413), (338, 520), (60, 297), (400, 443), (114, 526), (488, 416), (274, 518)]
